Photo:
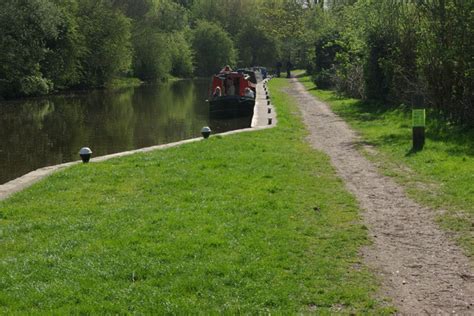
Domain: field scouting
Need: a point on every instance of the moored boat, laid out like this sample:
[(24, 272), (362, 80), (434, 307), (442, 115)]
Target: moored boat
[(232, 94)]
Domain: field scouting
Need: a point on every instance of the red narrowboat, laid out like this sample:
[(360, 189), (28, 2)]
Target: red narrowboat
[(232, 94)]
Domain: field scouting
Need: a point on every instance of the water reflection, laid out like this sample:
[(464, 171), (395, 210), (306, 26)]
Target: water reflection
[(39, 132)]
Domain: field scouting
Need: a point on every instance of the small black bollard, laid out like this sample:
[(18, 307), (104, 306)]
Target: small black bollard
[(269, 121), (268, 102), (269, 110), (206, 131), (85, 154), (419, 118)]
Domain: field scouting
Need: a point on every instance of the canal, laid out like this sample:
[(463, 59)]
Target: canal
[(40, 132)]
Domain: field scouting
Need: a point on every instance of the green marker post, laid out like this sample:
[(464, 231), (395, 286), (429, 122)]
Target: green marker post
[(419, 119)]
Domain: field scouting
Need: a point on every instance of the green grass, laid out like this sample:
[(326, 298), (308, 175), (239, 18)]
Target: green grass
[(124, 82), (249, 223), (440, 176)]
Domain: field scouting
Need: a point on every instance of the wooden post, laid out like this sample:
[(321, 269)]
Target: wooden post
[(419, 118)]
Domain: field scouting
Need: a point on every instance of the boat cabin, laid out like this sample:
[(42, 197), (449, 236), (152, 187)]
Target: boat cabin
[(230, 83)]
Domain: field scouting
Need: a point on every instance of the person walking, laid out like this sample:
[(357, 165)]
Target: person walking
[(278, 68), (289, 65)]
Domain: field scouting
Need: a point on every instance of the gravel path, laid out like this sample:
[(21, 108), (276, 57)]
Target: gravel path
[(421, 269)]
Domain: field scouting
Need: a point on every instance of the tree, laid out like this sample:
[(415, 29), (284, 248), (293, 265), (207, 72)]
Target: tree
[(213, 48), (406, 49), (107, 41), (283, 20), (181, 55), (445, 57), (152, 60), (26, 27), (256, 47), (160, 47), (61, 63), (232, 15)]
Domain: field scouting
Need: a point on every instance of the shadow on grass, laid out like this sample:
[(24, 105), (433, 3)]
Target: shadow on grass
[(458, 140), (455, 142), (366, 143), (363, 110), (412, 152), (462, 138)]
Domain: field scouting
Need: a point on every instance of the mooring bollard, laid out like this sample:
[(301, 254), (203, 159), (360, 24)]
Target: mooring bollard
[(85, 154), (206, 131), (419, 118)]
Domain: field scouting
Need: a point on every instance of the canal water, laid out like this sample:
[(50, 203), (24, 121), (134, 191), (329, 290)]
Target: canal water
[(40, 132)]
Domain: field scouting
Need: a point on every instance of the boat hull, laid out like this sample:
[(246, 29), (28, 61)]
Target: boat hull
[(231, 106)]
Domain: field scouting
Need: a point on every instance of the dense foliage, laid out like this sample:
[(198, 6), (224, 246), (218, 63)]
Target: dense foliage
[(209, 37), (48, 45), (411, 52), (399, 52)]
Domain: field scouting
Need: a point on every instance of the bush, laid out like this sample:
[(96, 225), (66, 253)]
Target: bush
[(378, 66), (35, 85), (326, 49), (350, 80), (324, 78)]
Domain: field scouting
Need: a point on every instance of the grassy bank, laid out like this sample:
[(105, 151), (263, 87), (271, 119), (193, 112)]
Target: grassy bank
[(441, 176), (253, 222), (128, 82), (123, 82)]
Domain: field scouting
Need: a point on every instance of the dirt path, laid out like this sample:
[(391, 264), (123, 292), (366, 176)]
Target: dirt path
[(421, 269)]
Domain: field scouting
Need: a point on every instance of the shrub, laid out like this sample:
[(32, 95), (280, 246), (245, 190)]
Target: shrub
[(35, 85)]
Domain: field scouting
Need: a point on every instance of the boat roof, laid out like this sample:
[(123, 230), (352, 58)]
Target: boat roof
[(232, 75)]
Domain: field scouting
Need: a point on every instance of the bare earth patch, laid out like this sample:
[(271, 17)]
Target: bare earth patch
[(421, 269)]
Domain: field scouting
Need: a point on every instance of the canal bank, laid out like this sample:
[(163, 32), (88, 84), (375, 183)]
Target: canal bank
[(46, 131), (252, 222), (264, 117)]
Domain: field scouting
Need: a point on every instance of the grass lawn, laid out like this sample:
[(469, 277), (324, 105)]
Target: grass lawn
[(249, 223), (441, 176)]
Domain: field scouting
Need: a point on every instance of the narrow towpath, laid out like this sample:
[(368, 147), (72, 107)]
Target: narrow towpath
[(421, 269)]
